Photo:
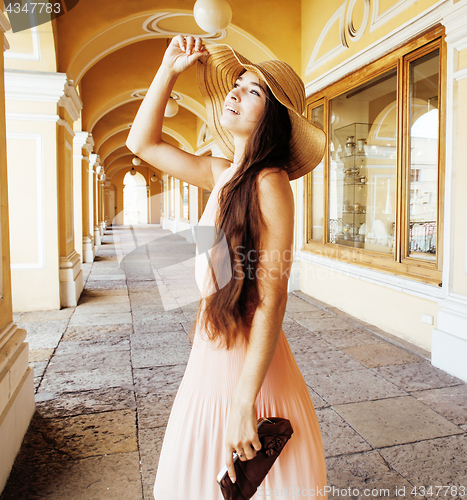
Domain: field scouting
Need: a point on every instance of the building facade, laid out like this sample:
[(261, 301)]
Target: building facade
[(380, 224)]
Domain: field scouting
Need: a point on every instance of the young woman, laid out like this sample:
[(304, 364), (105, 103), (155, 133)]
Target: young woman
[(241, 367)]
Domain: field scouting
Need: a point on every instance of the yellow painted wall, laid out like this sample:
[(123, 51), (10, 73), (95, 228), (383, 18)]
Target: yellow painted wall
[(394, 312), (32, 50), (32, 174), (316, 14)]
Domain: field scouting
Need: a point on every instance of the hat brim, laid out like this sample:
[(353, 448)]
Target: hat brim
[(216, 77)]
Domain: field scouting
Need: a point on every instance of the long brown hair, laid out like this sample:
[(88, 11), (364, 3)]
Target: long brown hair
[(228, 313)]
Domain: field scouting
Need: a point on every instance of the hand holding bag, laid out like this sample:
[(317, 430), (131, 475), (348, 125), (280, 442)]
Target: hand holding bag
[(273, 432)]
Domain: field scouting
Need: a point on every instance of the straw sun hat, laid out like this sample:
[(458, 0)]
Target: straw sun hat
[(217, 75)]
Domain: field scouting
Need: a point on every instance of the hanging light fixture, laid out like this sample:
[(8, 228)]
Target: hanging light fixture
[(136, 161), (212, 15), (172, 108), (133, 171), (154, 178)]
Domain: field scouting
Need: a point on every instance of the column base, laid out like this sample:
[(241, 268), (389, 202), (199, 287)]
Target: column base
[(449, 340), (88, 249), (101, 228), (71, 280), (294, 280), (17, 396), (97, 237)]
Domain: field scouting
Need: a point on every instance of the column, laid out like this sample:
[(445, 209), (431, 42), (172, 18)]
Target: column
[(71, 275), (95, 205), (83, 144), (40, 110), (102, 225), (16, 377), (449, 341)]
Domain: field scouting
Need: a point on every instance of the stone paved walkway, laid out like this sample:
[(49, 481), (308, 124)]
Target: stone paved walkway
[(107, 370)]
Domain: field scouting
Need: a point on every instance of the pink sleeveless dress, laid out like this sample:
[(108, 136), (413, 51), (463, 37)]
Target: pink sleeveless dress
[(192, 453)]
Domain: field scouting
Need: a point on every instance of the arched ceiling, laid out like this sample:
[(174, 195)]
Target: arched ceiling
[(112, 49)]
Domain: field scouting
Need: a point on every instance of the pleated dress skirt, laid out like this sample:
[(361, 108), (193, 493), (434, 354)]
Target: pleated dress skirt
[(192, 453)]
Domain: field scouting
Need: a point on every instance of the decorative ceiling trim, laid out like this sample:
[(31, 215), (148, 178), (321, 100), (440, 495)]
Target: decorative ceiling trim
[(379, 20), (355, 34), (151, 26), (427, 19), (314, 63)]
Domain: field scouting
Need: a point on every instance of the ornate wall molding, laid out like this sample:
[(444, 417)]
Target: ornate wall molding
[(43, 87)]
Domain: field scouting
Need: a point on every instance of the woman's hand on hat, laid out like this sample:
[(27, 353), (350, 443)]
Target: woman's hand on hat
[(183, 52)]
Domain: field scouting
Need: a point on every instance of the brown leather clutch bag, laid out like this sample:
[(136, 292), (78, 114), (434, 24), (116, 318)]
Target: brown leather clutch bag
[(273, 432)]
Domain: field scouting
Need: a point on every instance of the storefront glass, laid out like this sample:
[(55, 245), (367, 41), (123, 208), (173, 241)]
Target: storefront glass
[(317, 185)]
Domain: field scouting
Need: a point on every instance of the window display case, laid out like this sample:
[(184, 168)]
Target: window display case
[(351, 185)]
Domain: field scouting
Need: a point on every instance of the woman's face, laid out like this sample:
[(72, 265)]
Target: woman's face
[(244, 105)]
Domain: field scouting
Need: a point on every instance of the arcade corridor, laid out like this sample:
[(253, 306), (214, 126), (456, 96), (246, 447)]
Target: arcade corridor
[(106, 372)]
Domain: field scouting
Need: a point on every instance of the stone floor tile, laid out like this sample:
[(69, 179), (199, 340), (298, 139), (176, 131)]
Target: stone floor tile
[(36, 355), (70, 374), (436, 462), (90, 308), (318, 401), (293, 330), (349, 337), (417, 376), (160, 356), (106, 477), (310, 317), (54, 315), (338, 436), (81, 436), (101, 319), (150, 443), (393, 421), (325, 362), (51, 405), (158, 325), (39, 368), (308, 343), (448, 401), (98, 333), (362, 473), (352, 387), (106, 285), (17, 317), (296, 304), (376, 355), (154, 409), (86, 349), (106, 292), (107, 277), (158, 379), (91, 299), (44, 334), (149, 340)]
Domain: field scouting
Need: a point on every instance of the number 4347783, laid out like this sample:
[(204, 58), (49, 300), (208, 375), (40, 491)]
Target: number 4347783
[(33, 7)]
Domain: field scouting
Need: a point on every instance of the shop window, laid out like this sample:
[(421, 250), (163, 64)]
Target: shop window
[(375, 198)]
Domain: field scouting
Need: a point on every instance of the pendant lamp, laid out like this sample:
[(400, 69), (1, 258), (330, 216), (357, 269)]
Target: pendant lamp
[(212, 15)]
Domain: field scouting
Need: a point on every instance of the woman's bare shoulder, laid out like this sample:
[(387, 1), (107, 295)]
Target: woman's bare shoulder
[(275, 193)]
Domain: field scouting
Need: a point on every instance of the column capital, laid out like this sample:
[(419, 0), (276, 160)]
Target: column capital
[(455, 22), (84, 140), (4, 27), (43, 87)]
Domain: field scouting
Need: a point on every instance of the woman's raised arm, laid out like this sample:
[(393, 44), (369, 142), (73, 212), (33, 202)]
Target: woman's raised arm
[(145, 137)]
